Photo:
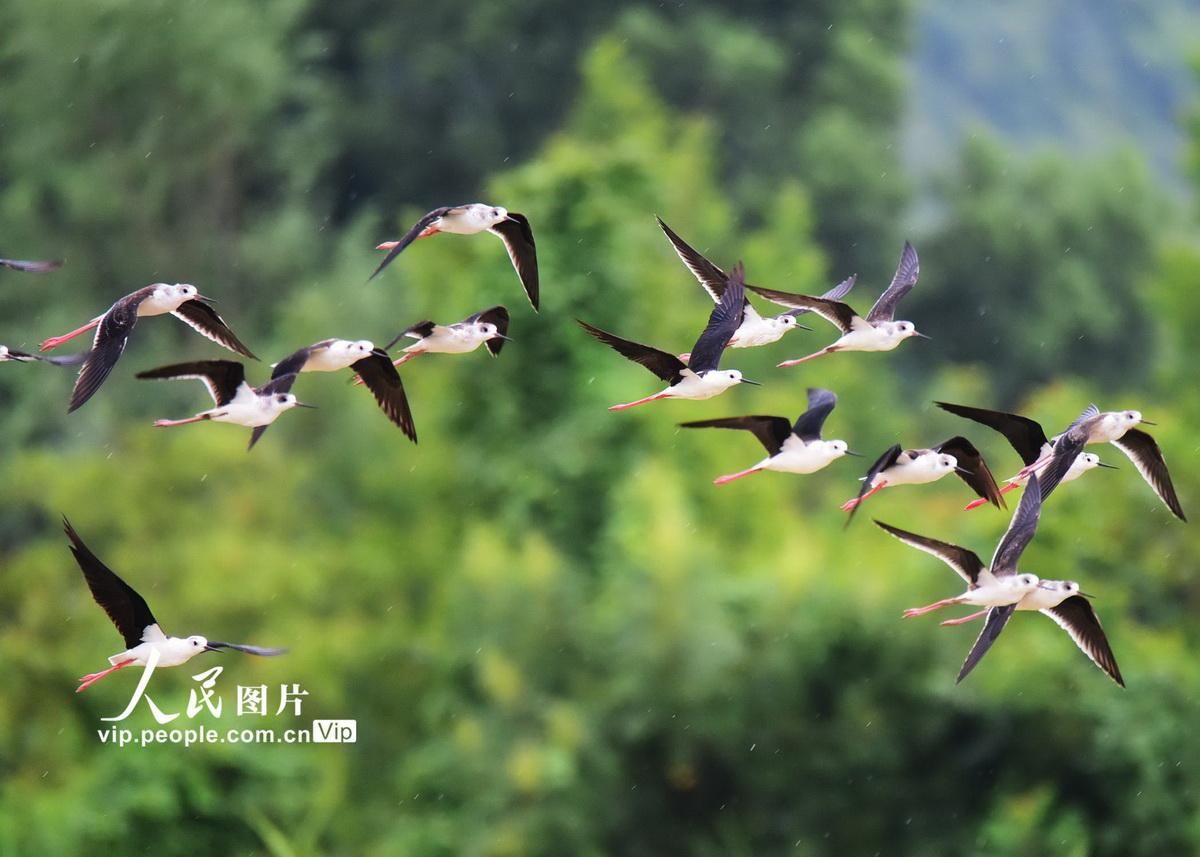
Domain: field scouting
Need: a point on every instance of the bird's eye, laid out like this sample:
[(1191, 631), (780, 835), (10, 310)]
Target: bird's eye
[(281, 399)]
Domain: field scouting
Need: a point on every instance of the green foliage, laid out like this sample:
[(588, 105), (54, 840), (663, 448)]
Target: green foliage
[(556, 635)]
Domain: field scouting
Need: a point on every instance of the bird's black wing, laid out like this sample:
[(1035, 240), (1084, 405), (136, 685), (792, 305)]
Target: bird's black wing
[(997, 618), (496, 315), (820, 405), (1143, 451), (883, 462), (711, 278), (112, 335), (902, 282), (203, 319), (723, 323), (1066, 449), (281, 382), (294, 363), (420, 330), (382, 379), (1022, 433), (410, 236), (261, 651), (770, 431), (973, 469), (840, 315), (835, 294), (222, 378), (1020, 530), (127, 610), (518, 241), (965, 563), (31, 266), (665, 366), (1077, 617)]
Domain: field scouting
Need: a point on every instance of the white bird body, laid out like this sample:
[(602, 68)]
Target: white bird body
[(928, 466), (703, 386), (881, 336), (757, 330), (471, 219), (249, 409), (995, 591), (454, 338), (798, 456), (1084, 462), (336, 354), (172, 651)]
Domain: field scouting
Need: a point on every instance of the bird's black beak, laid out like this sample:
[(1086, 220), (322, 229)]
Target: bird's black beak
[(1107, 466), (211, 649), (502, 336), (204, 300), (800, 326), (855, 454), (748, 381), (963, 471), (1148, 423), (922, 335), (1086, 594), (305, 405)]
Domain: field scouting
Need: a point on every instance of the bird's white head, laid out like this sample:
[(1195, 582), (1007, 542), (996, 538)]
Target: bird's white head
[(837, 448), (3, 352), (196, 644), (944, 463), (1087, 461), (904, 330), (499, 213), (174, 293), (1024, 581), (352, 349), (787, 321), (282, 401), (1130, 418)]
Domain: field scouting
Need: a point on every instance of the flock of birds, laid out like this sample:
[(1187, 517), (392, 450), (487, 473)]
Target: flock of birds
[(999, 588)]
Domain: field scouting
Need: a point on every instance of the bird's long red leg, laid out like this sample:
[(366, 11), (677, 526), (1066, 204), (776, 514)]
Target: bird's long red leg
[(853, 502), (189, 420), (653, 398), (982, 501), (827, 350), (721, 480), (91, 678), (965, 619), (406, 356), (929, 608), (55, 341)]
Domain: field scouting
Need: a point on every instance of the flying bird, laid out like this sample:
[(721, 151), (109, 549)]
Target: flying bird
[(136, 624), (30, 266), (878, 331), (791, 448), (489, 327), (700, 377), (1028, 439), (918, 466), (512, 228), (113, 328), (371, 365), (7, 354), (755, 330), (235, 401)]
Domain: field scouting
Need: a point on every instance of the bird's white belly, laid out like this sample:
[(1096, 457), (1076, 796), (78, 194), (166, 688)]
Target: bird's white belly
[(329, 361), (699, 387), (467, 223), (912, 474), (806, 459), (169, 655), (451, 344), (250, 414), (871, 339), (995, 596), (160, 305), (755, 333)]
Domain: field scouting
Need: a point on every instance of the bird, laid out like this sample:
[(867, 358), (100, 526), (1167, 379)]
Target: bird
[(1120, 429), (1069, 607), (755, 330), (1027, 438), (488, 326), (371, 365), (700, 378), (136, 624), (32, 266), (919, 466), (877, 332), (7, 354), (236, 401), (113, 328), (999, 586), (512, 228), (791, 448)]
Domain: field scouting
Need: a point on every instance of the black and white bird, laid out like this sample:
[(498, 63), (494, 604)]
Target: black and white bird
[(994, 587), (372, 365), (489, 327), (1028, 439), (136, 624), (700, 377), (791, 448), (756, 329), (31, 266), (512, 228), (918, 466), (113, 328), (1120, 429), (878, 331), (7, 354), (235, 401)]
